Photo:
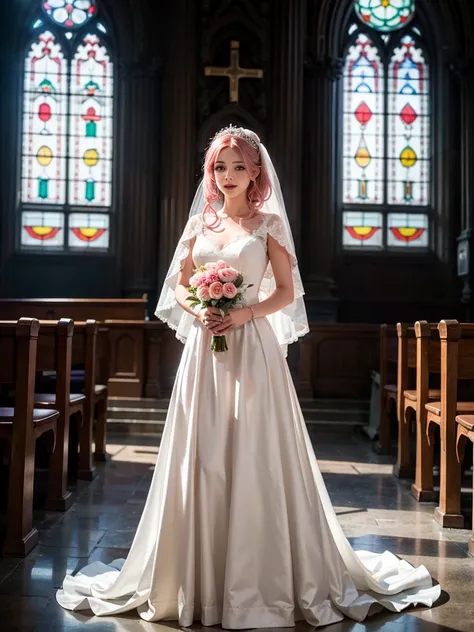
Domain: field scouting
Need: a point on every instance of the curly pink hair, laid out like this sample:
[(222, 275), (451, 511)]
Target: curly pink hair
[(259, 189)]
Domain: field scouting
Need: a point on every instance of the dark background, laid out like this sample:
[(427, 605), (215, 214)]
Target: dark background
[(166, 110)]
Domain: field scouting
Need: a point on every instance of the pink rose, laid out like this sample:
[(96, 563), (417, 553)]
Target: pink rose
[(211, 277), (197, 279), (216, 290), (220, 265), (227, 275), (229, 290), (203, 293)]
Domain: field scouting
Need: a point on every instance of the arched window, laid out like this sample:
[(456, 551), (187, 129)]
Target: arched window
[(386, 192), (67, 131)]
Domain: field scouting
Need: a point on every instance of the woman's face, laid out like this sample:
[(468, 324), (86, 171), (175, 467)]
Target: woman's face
[(232, 178)]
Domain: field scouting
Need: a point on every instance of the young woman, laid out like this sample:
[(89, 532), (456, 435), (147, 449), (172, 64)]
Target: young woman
[(238, 528)]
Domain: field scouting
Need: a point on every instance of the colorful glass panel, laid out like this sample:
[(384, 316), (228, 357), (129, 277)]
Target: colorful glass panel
[(42, 229), (44, 123), (407, 230), (90, 163), (89, 230), (363, 124), (70, 13), (408, 169), (385, 15), (362, 230)]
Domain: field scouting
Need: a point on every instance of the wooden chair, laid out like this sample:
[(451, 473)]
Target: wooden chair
[(388, 387), (20, 426), (54, 354), (464, 433), (457, 363)]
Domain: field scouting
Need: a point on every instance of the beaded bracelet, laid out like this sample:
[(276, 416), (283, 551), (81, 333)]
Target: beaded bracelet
[(251, 309)]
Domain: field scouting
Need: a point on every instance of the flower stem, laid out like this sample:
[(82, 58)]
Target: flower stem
[(219, 343)]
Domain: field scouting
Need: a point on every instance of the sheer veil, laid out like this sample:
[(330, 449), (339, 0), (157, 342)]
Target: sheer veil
[(290, 323)]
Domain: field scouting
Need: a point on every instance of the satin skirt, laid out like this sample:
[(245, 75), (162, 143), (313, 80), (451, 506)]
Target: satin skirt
[(238, 528)]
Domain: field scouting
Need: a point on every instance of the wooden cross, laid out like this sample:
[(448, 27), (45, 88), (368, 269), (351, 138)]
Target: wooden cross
[(234, 72)]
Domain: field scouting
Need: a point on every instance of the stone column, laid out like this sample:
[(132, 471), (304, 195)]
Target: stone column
[(11, 70), (465, 73), (319, 243), (285, 103), (138, 174), (178, 147)]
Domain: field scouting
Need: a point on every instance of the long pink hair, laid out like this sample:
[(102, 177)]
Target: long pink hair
[(259, 189)]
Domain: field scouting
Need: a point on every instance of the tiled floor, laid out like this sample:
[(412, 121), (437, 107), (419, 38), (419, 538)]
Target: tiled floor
[(376, 510)]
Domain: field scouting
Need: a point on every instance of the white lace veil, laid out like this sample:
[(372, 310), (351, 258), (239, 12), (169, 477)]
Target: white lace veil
[(290, 323)]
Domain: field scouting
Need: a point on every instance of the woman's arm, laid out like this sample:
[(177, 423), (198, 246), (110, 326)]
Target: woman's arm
[(283, 294), (210, 317), (182, 282)]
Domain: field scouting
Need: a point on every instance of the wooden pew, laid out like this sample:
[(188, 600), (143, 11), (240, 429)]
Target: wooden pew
[(406, 360), (457, 363), (427, 363), (120, 342), (388, 387), (464, 433), (19, 428), (406, 394), (86, 352), (83, 384), (75, 308), (55, 354)]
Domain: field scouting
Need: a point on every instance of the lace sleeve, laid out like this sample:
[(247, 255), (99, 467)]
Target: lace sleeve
[(276, 229), (168, 310), (191, 230), (291, 322)]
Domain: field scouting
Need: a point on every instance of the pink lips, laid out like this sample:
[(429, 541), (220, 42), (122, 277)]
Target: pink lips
[(230, 186)]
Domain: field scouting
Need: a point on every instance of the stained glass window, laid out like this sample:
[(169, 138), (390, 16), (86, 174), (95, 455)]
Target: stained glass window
[(408, 125), (363, 123), (385, 15), (386, 162), (363, 230), (88, 230), (45, 122), (67, 136), (70, 13), (407, 230), (90, 165), (42, 229)]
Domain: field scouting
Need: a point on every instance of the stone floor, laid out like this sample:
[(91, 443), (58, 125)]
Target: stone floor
[(376, 510)]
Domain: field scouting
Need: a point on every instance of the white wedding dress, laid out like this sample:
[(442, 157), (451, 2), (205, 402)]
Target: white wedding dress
[(238, 528)]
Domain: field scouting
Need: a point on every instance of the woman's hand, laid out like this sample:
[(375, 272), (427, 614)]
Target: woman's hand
[(234, 318), (210, 317)]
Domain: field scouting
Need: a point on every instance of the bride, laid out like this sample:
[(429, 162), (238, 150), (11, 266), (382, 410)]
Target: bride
[(238, 528)]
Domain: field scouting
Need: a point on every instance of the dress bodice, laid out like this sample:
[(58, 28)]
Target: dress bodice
[(247, 253)]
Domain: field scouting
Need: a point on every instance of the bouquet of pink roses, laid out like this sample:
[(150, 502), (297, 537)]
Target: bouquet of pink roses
[(217, 285)]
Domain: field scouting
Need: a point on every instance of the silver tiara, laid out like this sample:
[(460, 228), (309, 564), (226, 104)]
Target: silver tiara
[(232, 130)]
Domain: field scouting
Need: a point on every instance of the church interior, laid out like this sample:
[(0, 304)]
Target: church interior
[(367, 107)]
